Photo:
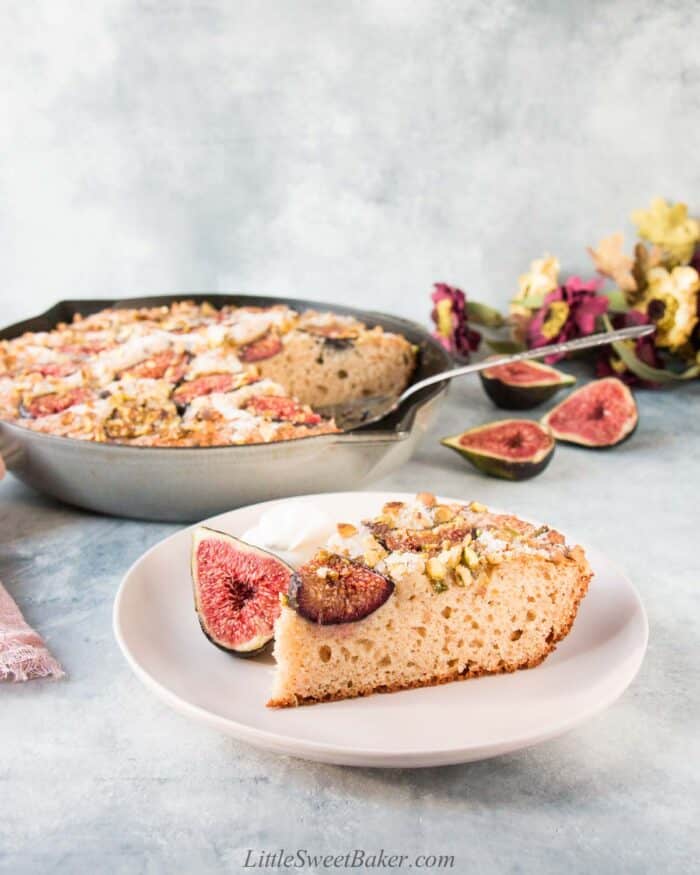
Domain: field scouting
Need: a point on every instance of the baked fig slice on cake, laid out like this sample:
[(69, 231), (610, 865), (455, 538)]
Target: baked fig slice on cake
[(430, 610)]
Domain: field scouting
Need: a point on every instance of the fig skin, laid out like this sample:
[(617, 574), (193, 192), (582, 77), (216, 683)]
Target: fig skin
[(241, 654), (545, 383), (502, 465), (210, 596), (347, 592), (627, 424)]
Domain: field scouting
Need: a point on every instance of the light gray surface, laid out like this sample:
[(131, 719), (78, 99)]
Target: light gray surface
[(358, 151), (96, 775)]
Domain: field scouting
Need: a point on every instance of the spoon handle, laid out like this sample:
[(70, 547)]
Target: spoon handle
[(599, 339)]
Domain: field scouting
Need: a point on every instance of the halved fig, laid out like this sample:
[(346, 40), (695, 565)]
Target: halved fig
[(513, 449), (522, 385), (192, 389), (333, 589), (600, 414), (53, 369), (415, 540), (55, 402), (264, 348), (279, 408), (168, 365), (237, 591)]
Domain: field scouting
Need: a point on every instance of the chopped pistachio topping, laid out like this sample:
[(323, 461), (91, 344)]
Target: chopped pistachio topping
[(436, 569), (371, 557), (443, 514), (463, 576), (451, 556), (471, 559), (478, 508), (426, 498), (541, 531), (440, 586)]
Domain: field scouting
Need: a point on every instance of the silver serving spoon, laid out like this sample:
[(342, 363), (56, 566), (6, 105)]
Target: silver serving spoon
[(363, 411)]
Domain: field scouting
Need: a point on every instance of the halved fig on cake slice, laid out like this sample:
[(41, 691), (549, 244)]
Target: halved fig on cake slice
[(523, 385), (332, 589), (237, 590), (600, 414), (512, 449)]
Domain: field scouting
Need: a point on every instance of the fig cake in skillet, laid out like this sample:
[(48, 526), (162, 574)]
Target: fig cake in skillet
[(191, 375), (424, 594)]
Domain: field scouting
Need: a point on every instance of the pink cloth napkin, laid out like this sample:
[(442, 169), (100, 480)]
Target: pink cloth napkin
[(23, 654)]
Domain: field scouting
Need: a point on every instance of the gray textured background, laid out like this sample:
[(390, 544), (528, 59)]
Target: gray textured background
[(347, 150)]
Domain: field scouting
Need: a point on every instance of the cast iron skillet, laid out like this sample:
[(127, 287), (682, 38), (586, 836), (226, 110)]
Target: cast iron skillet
[(188, 483)]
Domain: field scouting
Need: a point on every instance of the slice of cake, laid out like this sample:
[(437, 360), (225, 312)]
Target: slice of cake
[(424, 594)]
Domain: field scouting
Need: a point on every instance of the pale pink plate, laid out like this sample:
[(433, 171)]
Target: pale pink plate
[(157, 630)]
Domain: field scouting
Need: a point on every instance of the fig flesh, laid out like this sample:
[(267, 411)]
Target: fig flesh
[(188, 391), (168, 365), (264, 348), (600, 414), (333, 589), (55, 402), (522, 385), (512, 449), (279, 408), (237, 591)]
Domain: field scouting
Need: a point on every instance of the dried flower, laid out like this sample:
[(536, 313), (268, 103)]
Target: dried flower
[(452, 322), (540, 280), (671, 301), (569, 311), (670, 227)]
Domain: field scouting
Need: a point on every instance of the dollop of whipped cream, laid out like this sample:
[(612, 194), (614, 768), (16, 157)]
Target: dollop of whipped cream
[(293, 530)]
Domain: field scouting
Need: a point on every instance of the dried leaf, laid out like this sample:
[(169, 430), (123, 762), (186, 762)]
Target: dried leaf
[(625, 350), (482, 314), (505, 346), (610, 260)]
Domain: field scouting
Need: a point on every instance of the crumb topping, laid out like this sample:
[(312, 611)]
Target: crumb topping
[(451, 544)]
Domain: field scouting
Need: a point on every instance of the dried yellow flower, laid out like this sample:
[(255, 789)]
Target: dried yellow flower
[(670, 227), (671, 301)]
